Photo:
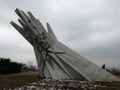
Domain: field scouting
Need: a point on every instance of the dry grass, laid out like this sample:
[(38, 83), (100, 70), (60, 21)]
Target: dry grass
[(19, 79)]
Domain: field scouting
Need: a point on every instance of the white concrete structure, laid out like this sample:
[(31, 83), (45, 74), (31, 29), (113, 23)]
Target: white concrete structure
[(55, 60)]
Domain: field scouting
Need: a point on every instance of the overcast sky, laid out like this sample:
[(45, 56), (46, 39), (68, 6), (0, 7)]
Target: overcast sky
[(90, 27)]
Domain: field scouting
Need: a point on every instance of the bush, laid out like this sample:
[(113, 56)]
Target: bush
[(114, 71), (8, 67)]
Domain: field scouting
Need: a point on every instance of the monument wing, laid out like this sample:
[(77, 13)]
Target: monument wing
[(54, 59)]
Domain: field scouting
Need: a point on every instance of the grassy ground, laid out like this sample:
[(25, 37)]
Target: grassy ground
[(19, 79), (16, 80)]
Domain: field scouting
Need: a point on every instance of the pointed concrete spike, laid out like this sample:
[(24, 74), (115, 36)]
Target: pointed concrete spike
[(50, 32), (16, 26), (31, 16), (20, 14), (21, 31), (26, 16), (41, 27), (22, 23), (31, 24)]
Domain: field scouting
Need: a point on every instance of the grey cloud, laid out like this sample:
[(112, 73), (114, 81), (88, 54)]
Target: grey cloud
[(89, 27)]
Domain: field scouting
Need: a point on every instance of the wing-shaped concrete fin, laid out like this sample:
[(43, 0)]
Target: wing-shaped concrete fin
[(50, 32)]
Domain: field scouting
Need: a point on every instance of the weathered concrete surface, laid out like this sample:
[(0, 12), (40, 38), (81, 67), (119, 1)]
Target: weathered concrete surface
[(55, 60)]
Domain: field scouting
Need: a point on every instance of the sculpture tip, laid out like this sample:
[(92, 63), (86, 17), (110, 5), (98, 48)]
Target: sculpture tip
[(47, 24), (17, 9), (11, 22)]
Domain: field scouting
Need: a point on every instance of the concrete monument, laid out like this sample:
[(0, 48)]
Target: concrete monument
[(54, 59)]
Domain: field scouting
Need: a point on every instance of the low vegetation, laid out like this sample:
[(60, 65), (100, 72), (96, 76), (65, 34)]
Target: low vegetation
[(8, 67), (114, 71), (16, 80)]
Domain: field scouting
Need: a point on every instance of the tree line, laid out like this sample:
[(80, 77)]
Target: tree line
[(7, 66)]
